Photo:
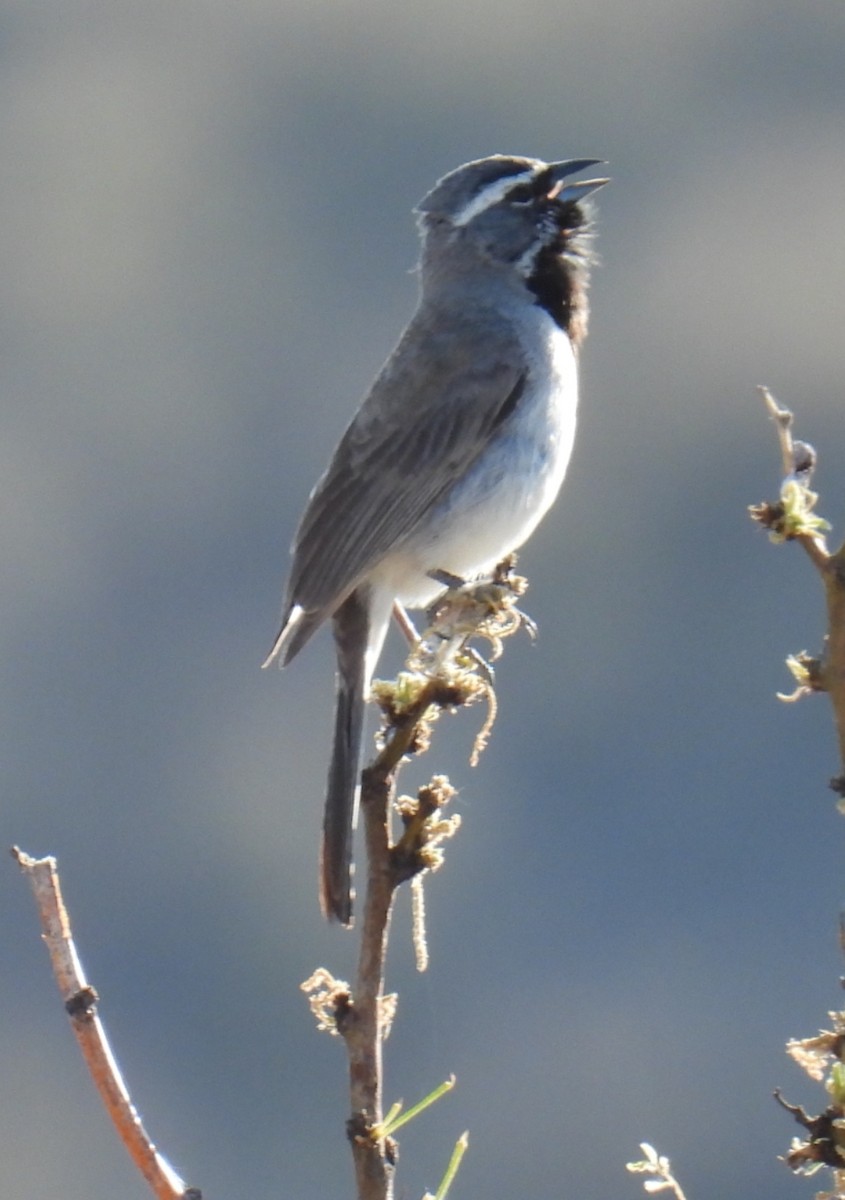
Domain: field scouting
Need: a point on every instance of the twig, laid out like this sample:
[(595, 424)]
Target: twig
[(792, 519), (799, 462), (660, 1169), (443, 673), (822, 1056), (81, 1001), (363, 1027)]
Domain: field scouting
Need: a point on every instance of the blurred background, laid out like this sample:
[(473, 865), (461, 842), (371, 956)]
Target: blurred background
[(207, 246)]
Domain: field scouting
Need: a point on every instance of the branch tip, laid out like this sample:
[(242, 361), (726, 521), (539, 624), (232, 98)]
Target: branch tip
[(80, 1001)]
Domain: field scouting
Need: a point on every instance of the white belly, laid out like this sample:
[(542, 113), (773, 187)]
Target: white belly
[(497, 506)]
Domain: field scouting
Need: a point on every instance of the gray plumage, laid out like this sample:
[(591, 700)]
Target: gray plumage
[(460, 446)]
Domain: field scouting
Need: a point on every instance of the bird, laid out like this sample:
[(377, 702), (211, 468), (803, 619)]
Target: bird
[(458, 449)]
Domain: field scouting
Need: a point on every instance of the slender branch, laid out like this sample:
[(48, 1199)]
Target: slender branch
[(364, 1035), (365, 1024), (799, 461), (660, 1169), (822, 1056), (81, 1001), (792, 519), (443, 673)]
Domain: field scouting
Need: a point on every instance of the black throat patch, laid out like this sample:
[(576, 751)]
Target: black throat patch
[(559, 275)]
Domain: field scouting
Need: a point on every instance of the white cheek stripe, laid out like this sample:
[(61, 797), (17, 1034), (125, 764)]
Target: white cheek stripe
[(489, 195)]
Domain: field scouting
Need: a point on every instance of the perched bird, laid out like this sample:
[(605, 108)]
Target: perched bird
[(460, 446)]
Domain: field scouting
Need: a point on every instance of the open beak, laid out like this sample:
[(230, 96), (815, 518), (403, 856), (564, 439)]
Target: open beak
[(559, 172)]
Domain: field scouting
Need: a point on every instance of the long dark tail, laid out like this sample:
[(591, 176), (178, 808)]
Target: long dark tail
[(352, 635)]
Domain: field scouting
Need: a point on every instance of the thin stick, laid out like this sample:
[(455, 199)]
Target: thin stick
[(405, 624), (783, 418), (363, 1017), (80, 1001), (365, 1035), (831, 569), (363, 1027)]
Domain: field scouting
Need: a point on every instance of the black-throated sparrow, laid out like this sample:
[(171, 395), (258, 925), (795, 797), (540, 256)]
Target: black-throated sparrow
[(459, 448)]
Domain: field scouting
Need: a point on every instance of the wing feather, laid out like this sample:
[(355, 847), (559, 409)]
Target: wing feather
[(430, 413)]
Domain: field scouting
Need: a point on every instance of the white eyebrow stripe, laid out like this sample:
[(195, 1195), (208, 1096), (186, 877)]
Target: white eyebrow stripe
[(491, 194)]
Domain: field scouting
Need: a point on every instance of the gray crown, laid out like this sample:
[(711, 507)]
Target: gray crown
[(451, 193)]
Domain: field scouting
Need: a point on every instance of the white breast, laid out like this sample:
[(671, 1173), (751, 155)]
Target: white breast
[(511, 487)]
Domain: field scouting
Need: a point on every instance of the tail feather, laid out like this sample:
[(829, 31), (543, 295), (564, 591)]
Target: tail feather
[(297, 628), (352, 638)]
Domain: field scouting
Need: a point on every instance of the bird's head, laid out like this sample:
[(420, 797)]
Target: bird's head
[(517, 218)]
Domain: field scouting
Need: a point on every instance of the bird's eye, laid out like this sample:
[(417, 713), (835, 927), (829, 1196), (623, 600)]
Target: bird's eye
[(523, 193)]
